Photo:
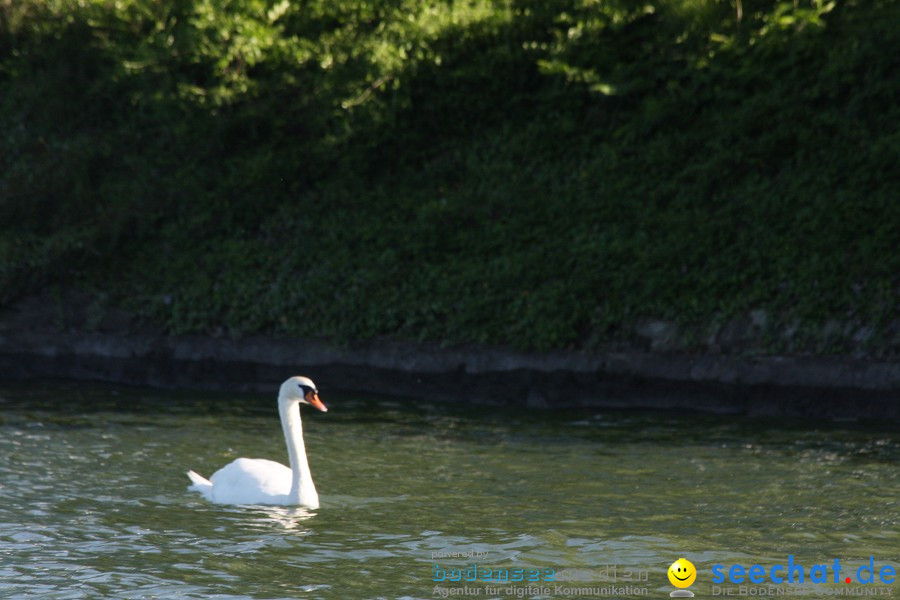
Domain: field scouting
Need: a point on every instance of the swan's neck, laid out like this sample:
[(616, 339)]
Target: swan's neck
[(303, 491)]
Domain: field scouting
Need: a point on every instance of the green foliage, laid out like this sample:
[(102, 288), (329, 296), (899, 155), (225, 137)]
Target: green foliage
[(540, 175)]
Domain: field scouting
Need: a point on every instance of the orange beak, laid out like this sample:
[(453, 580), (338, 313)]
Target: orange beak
[(314, 400)]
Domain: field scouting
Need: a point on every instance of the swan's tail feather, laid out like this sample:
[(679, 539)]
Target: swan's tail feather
[(200, 484), (199, 480)]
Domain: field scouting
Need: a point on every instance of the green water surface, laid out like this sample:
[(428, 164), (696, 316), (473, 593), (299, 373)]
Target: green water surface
[(93, 499)]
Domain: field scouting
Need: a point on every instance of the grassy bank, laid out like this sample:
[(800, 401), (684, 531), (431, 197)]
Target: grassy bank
[(534, 174)]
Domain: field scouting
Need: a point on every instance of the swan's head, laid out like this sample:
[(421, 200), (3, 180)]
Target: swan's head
[(303, 390)]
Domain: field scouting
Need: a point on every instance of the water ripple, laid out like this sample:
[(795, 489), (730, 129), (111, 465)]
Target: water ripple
[(93, 499)]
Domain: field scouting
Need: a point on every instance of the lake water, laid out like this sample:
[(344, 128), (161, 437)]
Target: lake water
[(93, 499)]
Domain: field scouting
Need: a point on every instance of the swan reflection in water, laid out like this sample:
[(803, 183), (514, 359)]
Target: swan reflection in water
[(285, 517)]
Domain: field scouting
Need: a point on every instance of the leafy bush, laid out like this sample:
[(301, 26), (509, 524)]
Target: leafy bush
[(540, 175)]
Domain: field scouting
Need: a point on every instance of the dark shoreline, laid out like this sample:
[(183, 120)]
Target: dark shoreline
[(830, 388)]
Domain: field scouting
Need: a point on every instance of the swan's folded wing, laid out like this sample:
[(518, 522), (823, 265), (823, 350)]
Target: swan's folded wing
[(251, 481)]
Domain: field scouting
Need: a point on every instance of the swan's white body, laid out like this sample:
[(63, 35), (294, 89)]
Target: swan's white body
[(261, 481)]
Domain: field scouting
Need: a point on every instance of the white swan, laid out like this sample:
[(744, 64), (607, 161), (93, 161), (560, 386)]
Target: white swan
[(261, 481)]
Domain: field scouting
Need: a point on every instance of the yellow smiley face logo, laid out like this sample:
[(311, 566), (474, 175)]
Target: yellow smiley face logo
[(682, 573)]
